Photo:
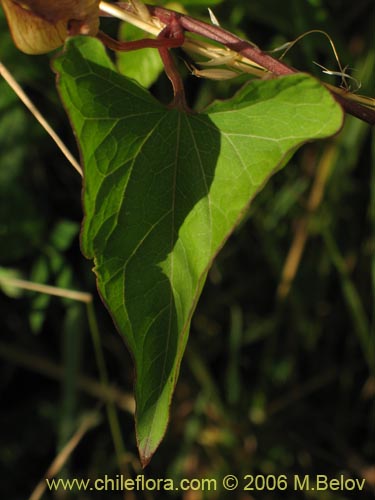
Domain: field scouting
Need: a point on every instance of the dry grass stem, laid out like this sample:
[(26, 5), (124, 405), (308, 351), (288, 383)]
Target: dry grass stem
[(47, 289), (59, 461), (297, 247), (39, 117)]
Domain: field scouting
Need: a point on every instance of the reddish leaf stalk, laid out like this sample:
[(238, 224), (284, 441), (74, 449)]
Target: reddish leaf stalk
[(174, 31), (171, 36)]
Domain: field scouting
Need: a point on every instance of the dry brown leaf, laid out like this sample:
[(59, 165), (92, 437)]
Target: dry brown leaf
[(39, 26)]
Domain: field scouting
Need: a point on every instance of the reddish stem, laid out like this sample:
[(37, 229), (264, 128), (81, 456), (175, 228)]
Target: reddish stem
[(274, 66), (226, 38), (144, 43)]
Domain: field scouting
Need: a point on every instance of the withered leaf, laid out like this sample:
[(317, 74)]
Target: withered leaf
[(39, 26)]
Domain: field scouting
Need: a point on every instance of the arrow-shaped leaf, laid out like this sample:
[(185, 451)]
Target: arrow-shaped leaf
[(162, 192)]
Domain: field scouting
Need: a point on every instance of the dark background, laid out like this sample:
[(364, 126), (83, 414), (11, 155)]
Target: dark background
[(271, 383)]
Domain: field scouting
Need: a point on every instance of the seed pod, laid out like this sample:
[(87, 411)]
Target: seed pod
[(39, 26)]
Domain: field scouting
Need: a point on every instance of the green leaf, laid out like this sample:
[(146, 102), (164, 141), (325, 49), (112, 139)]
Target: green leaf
[(163, 191), (12, 291), (63, 234)]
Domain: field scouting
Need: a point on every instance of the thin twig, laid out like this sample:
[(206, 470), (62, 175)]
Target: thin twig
[(87, 299), (47, 289), (39, 117), (112, 415), (54, 371), (59, 461)]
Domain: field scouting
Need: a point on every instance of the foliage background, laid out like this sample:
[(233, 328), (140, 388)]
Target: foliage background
[(268, 385)]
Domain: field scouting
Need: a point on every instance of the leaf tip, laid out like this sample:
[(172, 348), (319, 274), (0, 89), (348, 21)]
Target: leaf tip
[(146, 452)]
